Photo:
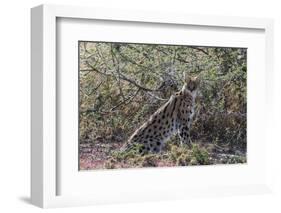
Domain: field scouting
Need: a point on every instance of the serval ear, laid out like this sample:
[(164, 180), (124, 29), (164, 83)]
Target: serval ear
[(189, 78), (196, 79)]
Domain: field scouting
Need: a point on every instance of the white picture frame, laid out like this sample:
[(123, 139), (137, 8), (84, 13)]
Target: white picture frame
[(44, 150)]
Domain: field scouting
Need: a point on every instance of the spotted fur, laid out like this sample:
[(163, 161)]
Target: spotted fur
[(175, 116)]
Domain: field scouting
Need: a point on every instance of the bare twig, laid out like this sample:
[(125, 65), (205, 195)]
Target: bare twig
[(93, 90), (125, 78), (134, 62), (126, 101), (158, 98), (177, 57), (200, 50), (115, 61)]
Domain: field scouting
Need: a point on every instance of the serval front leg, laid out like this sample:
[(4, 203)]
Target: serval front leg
[(184, 134)]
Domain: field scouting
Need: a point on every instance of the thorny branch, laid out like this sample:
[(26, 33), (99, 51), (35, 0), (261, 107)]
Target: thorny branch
[(123, 77)]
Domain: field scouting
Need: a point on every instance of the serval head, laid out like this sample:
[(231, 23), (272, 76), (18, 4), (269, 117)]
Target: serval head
[(191, 85)]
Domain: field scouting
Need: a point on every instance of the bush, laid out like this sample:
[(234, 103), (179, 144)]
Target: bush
[(121, 85)]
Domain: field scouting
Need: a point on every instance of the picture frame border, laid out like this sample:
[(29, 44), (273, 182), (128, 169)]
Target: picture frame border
[(43, 87)]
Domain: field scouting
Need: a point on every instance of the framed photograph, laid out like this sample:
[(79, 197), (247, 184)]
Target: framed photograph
[(129, 106)]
